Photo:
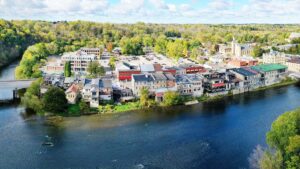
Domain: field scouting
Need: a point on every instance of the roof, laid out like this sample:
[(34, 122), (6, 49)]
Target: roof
[(69, 80), (147, 68), (268, 67), (159, 76), (143, 78), (244, 72), (73, 88), (295, 60), (106, 83)]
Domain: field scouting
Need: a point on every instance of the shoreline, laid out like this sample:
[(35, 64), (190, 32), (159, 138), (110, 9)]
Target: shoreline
[(200, 100)]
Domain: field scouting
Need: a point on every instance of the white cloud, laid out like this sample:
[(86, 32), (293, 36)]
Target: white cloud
[(127, 7)]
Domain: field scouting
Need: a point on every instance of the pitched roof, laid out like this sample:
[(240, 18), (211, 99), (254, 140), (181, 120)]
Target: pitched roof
[(142, 78), (73, 88), (244, 72)]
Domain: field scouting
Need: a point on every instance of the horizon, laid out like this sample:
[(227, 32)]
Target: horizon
[(155, 11)]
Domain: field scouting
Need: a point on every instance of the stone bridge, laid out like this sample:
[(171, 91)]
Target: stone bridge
[(15, 84)]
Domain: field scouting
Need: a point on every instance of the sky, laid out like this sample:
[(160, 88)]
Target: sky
[(154, 11)]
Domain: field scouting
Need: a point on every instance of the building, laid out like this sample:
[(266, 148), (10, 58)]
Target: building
[(190, 84), (242, 62), (124, 71), (152, 82), (239, 50), (192, 68), (270, 73), (225, 49), (96, 91), (92, 51), (54, 67), (79, 61), (293, 64), (72, 94), (214, 82), (274, 57), (251, 79)]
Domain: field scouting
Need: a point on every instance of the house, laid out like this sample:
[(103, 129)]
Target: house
[(72, 94), (152, 82), (251, 79), (224, 49), (54, 67), (242, 62), (79, 61), (293, 64), (190, 84), (96, 91), (214, 82), (274, 57), (271, 73)]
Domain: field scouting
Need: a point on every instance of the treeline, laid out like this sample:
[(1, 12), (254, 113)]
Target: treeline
[(174, 40)]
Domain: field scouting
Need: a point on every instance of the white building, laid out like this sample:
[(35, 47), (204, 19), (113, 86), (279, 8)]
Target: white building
[(274, 57), (239, 50), (79, 61)]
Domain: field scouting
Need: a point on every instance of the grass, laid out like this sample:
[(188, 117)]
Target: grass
[(126, 107)]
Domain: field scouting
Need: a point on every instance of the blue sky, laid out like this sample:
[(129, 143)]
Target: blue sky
[(155, 11)]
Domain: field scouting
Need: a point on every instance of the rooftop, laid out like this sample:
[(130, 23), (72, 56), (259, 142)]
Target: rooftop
[(244, 72), (268, 67), (143, 78)]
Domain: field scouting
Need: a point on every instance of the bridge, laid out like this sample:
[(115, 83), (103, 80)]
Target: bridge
[(15, 84)]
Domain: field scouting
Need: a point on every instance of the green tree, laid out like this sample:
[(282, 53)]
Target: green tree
[(54, 100), (144, 97), (84, 107), (31, 98), (284, 138), (161, 45), (170, 98), (95, 69), (67, 69), (257, 51), (112, 62)]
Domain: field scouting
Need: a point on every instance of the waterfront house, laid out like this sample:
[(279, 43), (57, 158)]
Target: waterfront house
[(190, 84), (251, 79), (271, 73), (72, 94), (214, 82), (96, 91)]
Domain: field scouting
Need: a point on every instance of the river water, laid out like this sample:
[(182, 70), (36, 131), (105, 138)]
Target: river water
[(215, 135)]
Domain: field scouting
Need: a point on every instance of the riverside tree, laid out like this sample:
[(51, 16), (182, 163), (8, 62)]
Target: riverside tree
[(95, 69), (54, 100), (284, 138)]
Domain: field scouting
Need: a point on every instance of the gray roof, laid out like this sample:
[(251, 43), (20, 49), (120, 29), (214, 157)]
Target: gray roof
[(143, 78)]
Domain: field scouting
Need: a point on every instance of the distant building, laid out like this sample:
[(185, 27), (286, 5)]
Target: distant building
[(239, 50), (54, 67), (274, 57), (192, 68), (225, 49), (92, 51), (79, 61), (293, 64), (271, 73)]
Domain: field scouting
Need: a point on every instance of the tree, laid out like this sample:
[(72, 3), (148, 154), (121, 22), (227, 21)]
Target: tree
[(284, 138), (31, 98), (170, 98), (67, 69), (112, 62), (144, 97), (257, 51), (84, 107), (95, 69), (109, 46), (54, 100), (161, 45)]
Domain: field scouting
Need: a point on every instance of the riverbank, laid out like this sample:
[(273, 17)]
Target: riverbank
[(134, 106)]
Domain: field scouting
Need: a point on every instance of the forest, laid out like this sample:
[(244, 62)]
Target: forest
[(36, 40)]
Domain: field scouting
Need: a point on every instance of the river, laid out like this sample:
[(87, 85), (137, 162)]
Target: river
[(215, 135)]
